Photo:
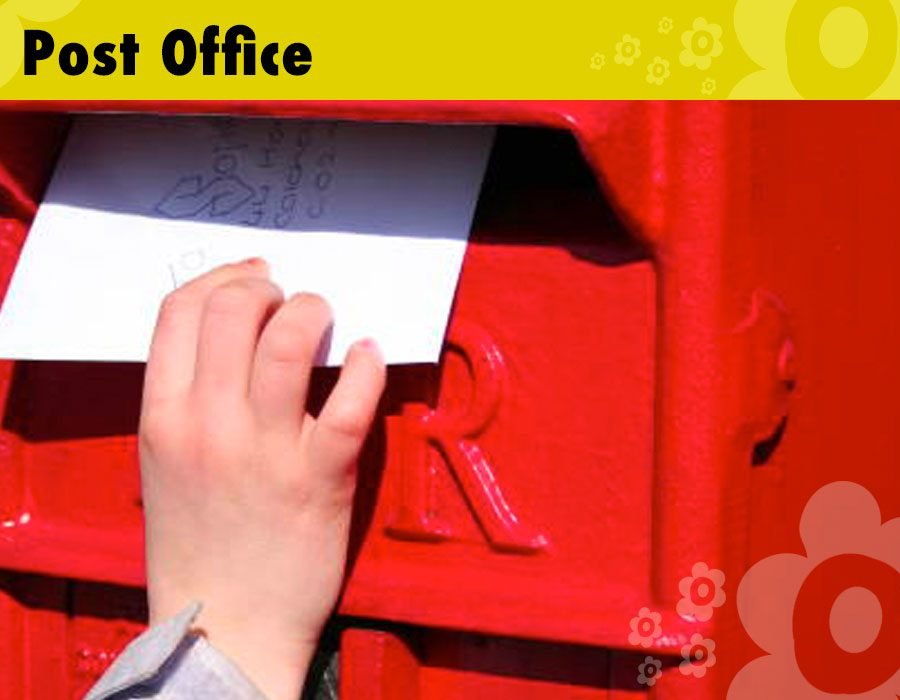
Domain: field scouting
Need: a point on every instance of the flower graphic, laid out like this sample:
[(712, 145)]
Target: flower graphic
[(699, 655), (665, 25), (646, 626), (628, 50), (598, 60), (658, 71), (12, 45), (649, 671), (828, 620), (701, 592), (708, 86), (701, 44), (819, 50)]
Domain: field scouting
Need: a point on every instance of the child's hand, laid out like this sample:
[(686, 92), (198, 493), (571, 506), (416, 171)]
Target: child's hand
[(247, 497)]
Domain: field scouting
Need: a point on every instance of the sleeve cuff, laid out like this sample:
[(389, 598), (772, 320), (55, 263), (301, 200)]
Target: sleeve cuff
[(167, 661)]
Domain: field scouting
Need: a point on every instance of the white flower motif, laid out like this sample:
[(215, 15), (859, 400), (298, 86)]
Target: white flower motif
[(828, 620), (628, 50), (12, 46), (699, 655), (818, 50), (658, 71), (701, 592), (702, 43), (649, 671), (646, 627)]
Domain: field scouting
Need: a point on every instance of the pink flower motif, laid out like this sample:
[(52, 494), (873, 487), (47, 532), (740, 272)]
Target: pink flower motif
[(699, 655), (701, 592), (828, 620), (646, 626), (649, 671)]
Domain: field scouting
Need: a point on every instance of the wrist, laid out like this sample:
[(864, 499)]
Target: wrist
[(277, 668)]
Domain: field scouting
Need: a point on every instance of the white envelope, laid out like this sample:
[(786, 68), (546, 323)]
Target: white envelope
[(373, 217)]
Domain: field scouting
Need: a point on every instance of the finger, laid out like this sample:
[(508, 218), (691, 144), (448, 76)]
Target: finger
[(284, 359), (172, 358), (345, 419), (233, 318)]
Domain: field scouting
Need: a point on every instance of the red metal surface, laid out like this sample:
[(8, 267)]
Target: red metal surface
[(59, 635), (672, 327)]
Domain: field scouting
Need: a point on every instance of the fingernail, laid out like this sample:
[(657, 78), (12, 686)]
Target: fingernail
[(254, 262), (306, 295), (369, 345)]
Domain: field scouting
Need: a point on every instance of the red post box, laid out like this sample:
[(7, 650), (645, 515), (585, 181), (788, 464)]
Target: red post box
[(675, 321)]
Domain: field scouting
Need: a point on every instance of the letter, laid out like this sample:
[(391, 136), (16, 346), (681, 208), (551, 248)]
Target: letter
[(209, 47), (80, 54), (173, 65), (129, 48), (297, 59), (267, 58), (106, 63), (231, 47), (38, 47)]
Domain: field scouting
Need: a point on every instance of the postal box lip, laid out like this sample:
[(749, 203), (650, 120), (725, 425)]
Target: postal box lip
[(557, 114)]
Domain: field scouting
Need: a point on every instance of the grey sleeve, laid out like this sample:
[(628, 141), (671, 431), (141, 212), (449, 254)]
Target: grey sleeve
[(167, 662)]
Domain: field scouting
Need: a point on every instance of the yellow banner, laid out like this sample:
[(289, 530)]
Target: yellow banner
[(467, 49)]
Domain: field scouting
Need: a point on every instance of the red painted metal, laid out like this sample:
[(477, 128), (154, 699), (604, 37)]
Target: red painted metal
[(675, 322), (58, 636)]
